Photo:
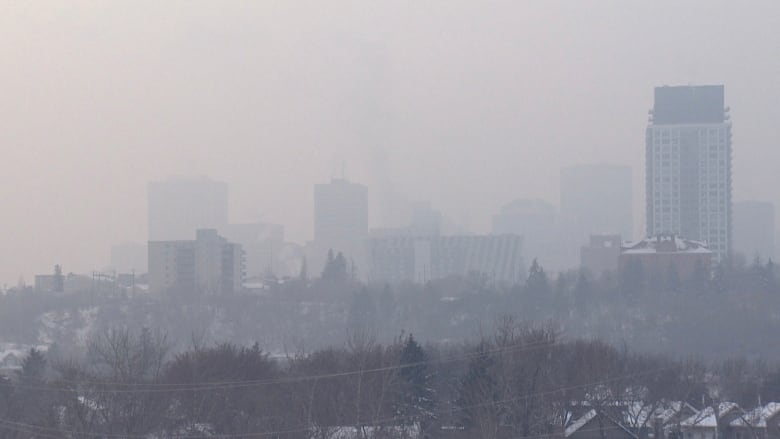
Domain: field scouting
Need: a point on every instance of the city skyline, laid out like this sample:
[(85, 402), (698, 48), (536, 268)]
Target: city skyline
[(445, 219), (557, 228), (466, 106)]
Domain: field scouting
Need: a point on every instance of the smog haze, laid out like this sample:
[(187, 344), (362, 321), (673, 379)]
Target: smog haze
[(466, 105)]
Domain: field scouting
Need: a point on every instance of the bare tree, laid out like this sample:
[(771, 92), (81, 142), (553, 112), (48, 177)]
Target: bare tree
[(122, 365)]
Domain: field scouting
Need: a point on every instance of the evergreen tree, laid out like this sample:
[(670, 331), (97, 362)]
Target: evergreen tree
[(340, 267), (327, 271), (537, 287), (417, 400), (335, 267), (537, 282), (33, 371), (30, 402)]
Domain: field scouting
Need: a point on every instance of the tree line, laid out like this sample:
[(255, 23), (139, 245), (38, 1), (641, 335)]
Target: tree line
[(731, 313), (517, 381)]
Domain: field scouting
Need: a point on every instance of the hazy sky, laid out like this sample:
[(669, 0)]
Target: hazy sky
[(467, 104)]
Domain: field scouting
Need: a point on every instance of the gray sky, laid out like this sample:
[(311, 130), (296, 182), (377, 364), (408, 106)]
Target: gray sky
[(468, 104)]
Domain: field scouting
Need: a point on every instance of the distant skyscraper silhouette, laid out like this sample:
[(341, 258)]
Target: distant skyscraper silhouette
[(688, 166), (340, 222), (597, 199), (180, 206)]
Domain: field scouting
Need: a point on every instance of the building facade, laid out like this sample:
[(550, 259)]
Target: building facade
[(688, 166), (662, 256), (177, 207), (340, 224), (419, 259), (601, 254), (207, 265)]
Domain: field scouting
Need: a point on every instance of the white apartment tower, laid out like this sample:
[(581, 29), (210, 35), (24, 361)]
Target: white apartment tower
[(688, 166)]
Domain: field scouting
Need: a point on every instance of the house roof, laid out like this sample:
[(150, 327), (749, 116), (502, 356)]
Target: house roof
[(757, 417), (640, 414), (579, 423), (589, 416), (669, 410), (708, 417), (665, 244)]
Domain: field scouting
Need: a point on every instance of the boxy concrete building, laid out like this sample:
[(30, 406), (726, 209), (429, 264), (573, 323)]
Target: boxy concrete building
[(207, 265)]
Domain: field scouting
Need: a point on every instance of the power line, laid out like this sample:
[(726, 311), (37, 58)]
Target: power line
[(30, 428), (210, 386)]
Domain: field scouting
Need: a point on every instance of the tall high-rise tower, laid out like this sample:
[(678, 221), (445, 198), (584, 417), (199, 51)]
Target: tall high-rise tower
[(688, 163)]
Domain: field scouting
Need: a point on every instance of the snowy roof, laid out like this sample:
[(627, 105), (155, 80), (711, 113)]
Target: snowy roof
[(671, 409), (640, 415), (757, 417), (579, 423), (708, 417), (637, 414), (665, 244)]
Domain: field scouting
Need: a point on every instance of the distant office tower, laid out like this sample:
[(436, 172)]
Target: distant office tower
[(754, 229), (179, 206), (208, 265), (420, 259), (688, 166), (536, 221), (340, 224), (597, 199)]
